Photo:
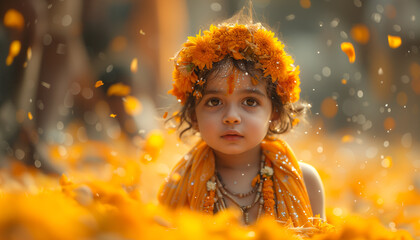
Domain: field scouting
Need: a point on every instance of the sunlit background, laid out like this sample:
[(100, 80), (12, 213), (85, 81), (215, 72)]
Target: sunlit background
[(83, 92)]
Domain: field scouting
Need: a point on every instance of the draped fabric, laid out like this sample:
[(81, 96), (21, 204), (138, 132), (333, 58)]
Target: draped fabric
[(186, 185)]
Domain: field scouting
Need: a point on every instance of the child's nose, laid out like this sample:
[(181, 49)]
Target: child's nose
[(231, 116)]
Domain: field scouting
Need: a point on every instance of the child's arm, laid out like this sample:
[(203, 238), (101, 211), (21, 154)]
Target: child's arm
[(315, 189)]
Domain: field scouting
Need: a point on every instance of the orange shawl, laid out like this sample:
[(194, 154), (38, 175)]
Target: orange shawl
[(186, 186)]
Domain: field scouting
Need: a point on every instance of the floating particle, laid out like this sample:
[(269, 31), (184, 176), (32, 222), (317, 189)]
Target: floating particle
[(118, 44), (386, 162), (29, 53), (402, 98), (396, 27), (329, 107), (305, 3), (118, 89), (380, 71), (406, 140), (295, 122), (290, 17), (165, 115), (415, 76), (215, 6), (109, 68), (348, 49), (334, 23), (360, 33), (394, 41), (326, 71), (45, 84), (175, 177), (132, 105), (390, 11), (99, 83), (377, 17), (134, 65), (30, 116), (357, 3), (347, 138), (14, 50), (61, 48), (142, 32), (47, 39), (389, 123), (153, 145), (87, 93), (112, 115), (14, 19), (66, 20)]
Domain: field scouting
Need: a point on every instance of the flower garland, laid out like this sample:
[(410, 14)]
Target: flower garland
[(210, 199), (268, 192), (250, 42)]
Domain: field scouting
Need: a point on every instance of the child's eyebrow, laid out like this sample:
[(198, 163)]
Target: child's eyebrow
[(248, 90)]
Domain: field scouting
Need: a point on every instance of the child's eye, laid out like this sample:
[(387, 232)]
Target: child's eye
[(250, 102), (212, 102)]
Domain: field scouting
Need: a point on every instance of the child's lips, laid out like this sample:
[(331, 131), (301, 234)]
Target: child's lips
[(232, 136)]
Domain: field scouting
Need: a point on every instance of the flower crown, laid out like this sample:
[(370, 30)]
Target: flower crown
[(250, 42)]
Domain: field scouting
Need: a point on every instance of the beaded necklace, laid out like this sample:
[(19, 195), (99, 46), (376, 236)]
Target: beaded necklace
[(262, 184)]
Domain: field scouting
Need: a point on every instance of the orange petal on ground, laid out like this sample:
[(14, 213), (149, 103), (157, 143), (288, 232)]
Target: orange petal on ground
[(360, 33), (348, 49), (394, 41), (119, 89)]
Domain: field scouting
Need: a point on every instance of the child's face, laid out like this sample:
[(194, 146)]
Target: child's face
[(236, 122)]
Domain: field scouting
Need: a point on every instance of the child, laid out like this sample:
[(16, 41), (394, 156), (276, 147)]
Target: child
[(238, 89)]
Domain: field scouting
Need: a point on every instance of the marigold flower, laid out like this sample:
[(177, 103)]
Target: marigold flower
[(251, 42)]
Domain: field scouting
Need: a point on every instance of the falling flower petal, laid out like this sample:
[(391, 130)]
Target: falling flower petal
[(133, 65), (132, 105), (99, 83), (348, 49), (360, 33), (112, 115), (13, 52), (305, 3), (14, 19), (118, 89), (30, 115), (394, 41)]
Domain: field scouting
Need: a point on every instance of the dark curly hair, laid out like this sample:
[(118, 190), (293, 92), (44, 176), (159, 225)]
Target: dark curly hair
[(284, 113)]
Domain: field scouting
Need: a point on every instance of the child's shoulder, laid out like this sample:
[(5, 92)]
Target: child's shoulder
[(314, 188)]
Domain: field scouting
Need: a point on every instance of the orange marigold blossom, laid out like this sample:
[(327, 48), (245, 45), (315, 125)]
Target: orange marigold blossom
[(250, 42), (268, 193), (348, 49)]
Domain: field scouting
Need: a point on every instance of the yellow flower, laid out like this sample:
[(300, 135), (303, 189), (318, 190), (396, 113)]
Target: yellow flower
[(265, 43), (237, 38), (201, 50)]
